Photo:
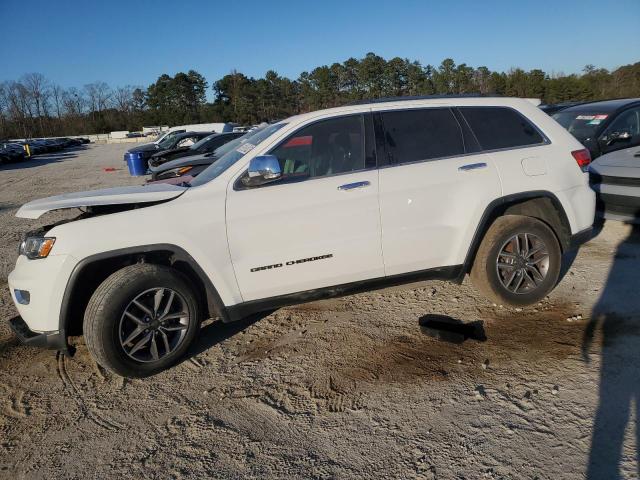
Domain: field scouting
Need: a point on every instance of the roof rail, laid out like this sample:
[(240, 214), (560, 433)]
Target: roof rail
[(423, 97)]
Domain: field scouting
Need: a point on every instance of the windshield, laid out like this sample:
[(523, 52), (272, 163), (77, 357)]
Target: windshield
[(581, 125), (169, 135), (227, 147), (238, 149), (170, 141), (202, 142)]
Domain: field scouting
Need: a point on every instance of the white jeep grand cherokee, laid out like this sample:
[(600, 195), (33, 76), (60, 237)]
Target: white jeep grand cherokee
[(318, 205)]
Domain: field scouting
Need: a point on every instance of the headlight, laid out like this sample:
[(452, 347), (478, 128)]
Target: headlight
[(36, 247)]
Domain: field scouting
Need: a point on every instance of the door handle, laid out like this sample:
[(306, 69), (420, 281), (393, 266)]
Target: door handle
[(351, 186), (472, 166)]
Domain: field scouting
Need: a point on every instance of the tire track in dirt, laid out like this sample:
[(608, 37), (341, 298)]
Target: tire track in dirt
[(15, 405), (87, 410), (195, 364)]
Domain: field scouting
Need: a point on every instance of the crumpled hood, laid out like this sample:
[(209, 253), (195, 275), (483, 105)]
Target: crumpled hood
[(107, 196), (193, 160), (170, 151), (145, 147)]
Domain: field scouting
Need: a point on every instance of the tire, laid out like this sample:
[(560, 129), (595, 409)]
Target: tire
[(501, 281), (107, 328)]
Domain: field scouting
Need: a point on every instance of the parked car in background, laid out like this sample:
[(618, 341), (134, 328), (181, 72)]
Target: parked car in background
[(318, 205), (11, 152), (38, 146), (552, 108), (192, 166), (206, 145), (144, 152), (603, 126), (196, 127), (615, 177), (195, 164), (183, 180)]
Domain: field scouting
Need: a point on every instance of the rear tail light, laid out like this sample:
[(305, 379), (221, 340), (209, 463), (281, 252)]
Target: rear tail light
[(583, 158)]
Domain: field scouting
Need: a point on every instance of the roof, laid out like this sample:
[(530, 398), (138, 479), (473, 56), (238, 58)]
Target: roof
[(191, 134), (603, 105), (422, 97), (413, 101)]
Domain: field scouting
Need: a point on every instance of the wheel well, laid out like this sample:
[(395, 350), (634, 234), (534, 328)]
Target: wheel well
[(92, 274), (543, 207)]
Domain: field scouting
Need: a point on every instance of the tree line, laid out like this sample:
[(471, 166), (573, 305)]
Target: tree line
[(32, 106)]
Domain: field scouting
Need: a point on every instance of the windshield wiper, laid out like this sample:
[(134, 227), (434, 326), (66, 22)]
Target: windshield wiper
[(184, 184)]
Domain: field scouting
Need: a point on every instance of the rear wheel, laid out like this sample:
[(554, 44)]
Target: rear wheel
[(141, 320), (518, 262)]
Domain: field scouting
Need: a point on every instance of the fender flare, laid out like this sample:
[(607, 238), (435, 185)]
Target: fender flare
[(214, 301), (492, 211)]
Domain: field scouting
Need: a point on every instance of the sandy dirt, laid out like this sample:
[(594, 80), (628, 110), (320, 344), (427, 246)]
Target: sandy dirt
[(344, 388)]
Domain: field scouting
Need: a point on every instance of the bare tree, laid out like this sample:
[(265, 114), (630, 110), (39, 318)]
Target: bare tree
[(123, 98), (57, 94), (4, 111), (98, 95), (37, 87)]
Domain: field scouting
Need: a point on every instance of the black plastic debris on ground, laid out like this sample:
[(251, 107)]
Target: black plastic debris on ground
[(452, 330)]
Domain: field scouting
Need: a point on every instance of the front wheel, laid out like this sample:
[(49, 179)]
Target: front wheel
[(141, 320), (518, 262)]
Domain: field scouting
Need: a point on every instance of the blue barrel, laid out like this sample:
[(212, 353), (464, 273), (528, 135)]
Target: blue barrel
[(137, 165)]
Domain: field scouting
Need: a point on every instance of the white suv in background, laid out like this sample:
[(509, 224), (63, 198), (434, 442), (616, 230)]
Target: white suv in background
[(317, 205)]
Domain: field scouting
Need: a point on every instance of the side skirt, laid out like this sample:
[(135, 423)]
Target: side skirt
[(243, 310)]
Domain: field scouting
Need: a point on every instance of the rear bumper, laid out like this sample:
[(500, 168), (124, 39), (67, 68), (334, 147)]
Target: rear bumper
[(624, 208), (52, 340)]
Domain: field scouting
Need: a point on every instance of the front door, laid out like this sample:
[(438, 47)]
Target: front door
[(318, 226)]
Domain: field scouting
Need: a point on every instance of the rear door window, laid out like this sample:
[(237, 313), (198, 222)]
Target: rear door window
[(421, 134), (501, 127)]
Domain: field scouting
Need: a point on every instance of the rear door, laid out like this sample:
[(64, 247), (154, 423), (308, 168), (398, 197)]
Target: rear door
[(318, 226), (433, 189)]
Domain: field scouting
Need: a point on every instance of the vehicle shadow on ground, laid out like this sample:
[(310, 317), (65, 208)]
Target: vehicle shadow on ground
[(569, 257), (452, 330), (7, 206), (217, 332), (38, 161), (8, 343), (616, 316)]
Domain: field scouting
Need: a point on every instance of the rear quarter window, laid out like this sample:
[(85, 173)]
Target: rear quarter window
[(500, 127)]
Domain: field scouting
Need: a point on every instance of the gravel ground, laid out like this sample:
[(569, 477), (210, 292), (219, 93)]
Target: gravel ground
[(350, 387)]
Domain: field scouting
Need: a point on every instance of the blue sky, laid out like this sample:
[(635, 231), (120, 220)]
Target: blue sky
[(74, 42)]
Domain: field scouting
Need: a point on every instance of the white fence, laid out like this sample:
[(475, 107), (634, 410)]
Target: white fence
[(106, 138)]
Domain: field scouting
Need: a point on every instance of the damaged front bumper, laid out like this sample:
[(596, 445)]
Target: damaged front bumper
[(56, 340)]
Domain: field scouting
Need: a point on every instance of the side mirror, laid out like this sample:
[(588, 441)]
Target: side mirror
[(614, 137), (264, 169)]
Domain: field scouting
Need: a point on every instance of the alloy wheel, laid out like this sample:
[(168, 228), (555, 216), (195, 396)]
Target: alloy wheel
[(154, 324), (522, 263)]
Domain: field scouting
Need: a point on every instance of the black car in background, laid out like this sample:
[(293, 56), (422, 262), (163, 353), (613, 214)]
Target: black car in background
[(603, 126), (552, 108), (11, 152), (206, 145), (185, 139)]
